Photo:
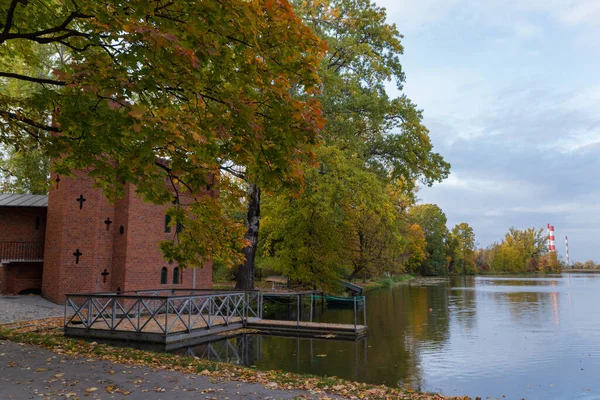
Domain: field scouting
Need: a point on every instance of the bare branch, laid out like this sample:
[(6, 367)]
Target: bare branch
[(233, 172), (39, 35), (28, 121), (31, 79)]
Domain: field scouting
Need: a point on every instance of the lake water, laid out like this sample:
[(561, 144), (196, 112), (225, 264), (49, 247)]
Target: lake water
[(519, 337)]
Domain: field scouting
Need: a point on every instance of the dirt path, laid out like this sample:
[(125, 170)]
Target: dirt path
[(31, 372)]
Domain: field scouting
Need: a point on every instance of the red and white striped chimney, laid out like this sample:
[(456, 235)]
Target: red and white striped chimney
[(567, 249), (551, 245)]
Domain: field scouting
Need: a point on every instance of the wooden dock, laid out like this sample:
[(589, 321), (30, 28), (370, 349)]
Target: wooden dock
[(180, 317)]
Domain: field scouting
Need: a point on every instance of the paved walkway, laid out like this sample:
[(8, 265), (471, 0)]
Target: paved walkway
[(28, 372), (25, 308)]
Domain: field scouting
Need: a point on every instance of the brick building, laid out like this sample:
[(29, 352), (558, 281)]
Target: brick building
[(74, 241)]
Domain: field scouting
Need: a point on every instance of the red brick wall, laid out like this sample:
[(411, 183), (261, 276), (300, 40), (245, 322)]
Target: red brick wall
[(144, 230), (22, 276), (53, 244), (18, 224), (119, 258), (71, 228)]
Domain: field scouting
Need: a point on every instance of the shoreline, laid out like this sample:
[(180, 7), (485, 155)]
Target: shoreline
[(386, 282), (48, 334)]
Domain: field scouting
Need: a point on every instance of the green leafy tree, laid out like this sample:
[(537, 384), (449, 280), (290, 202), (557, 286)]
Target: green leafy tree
[(24, 171), (461, 249), (521, 251), (363, 55), (432, 221), (305, 236)]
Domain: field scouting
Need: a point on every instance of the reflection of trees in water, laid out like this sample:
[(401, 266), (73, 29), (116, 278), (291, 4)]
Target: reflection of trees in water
[(518, 281), (462, 302), (528, 307), (404, 327)]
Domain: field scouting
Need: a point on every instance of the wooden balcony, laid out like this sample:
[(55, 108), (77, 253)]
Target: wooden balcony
[(11, 252)]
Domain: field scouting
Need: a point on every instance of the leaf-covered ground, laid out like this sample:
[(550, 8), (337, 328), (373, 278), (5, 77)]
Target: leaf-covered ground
[(189, 377)]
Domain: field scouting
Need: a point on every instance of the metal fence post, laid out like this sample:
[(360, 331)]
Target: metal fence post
[(354, 313), (311, 306), (298, 312), (65, 318), (89, 316), (365, 310), (190, 302), (210, 308), (167, 317), (113, 314)]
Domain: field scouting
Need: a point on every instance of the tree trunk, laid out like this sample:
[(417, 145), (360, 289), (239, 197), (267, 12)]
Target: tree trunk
[(245, 272)]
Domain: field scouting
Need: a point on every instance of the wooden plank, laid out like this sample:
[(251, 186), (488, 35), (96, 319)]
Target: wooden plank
[(150, 336), (316, 328)]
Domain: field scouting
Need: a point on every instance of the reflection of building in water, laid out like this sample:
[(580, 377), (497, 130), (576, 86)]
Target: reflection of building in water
[(567, 249), (241, 350)]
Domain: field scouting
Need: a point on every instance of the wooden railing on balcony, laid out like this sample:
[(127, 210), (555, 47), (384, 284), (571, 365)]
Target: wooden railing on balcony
[(21, 252)]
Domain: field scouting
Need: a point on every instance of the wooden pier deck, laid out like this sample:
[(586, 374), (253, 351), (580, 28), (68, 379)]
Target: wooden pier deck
[(170, 317), (308, 329), (153, 332)]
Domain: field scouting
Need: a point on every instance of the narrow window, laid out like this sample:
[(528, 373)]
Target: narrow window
[(163, 276), (176, 275), (37, 223), (179, 227), (167, 222)]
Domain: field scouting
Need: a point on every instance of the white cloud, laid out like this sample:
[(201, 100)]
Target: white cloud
[(580, 12)]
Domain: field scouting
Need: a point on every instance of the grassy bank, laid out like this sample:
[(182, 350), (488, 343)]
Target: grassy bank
[(384, 282), (48, 334)]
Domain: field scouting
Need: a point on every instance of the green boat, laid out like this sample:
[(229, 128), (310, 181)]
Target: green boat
[(340, 301)]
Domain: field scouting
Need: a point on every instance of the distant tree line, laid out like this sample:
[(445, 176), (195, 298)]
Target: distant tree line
[(589, 264), (521, 251)]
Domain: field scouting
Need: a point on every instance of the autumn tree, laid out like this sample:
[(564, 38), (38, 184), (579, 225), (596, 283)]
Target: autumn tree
[(461, 249), (521, 251), (306, 237), (381, 138), (385, 133), (415, 250), (432, 221), (363, 56), (196, 84)]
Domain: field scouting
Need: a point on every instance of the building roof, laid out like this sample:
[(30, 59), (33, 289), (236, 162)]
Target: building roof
[(23, 200)]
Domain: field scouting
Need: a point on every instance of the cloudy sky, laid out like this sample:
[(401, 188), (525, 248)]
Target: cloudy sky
[(511, 94)]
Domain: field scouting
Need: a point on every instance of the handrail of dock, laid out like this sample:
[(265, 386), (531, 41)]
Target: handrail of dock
[(158, 313)]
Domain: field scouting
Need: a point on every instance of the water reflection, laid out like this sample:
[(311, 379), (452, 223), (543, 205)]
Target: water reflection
[(518, 281), (484, 336)]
